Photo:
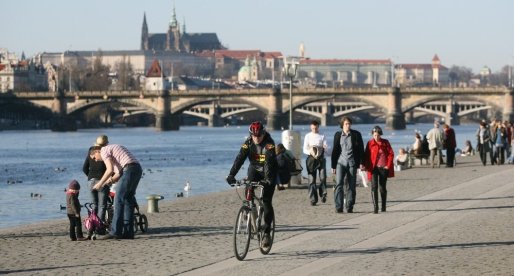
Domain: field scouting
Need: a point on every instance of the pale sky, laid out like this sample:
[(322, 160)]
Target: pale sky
[(467, 33)]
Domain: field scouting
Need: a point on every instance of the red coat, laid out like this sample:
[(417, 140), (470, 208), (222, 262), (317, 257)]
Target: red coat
[(371, 156)]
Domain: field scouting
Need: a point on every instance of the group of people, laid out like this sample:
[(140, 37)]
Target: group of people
[(495, 139), (105, 165), (349, 153), (433, 143)]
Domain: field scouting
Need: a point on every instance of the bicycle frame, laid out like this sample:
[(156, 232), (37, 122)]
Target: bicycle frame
[(252, 200), (250, 219)]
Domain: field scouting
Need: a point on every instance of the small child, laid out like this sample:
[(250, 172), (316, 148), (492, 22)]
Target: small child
[(73, 210)]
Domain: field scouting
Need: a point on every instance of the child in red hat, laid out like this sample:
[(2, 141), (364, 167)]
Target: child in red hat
[(73, 210)]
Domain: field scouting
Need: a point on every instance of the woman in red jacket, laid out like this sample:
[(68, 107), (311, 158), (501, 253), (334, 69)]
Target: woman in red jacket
[(378, 161)]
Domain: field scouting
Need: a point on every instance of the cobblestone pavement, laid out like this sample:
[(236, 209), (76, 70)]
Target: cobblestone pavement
[(443, 221)]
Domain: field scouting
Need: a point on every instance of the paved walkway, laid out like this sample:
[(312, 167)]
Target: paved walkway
[(439, 222)]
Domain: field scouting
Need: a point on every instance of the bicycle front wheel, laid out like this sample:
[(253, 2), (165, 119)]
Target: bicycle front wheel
[(242, 230), (266, 249)]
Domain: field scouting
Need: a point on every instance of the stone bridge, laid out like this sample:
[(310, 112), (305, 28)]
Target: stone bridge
[(327, 104)]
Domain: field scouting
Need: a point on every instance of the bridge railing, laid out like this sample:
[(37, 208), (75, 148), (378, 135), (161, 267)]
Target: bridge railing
[(261, 91)]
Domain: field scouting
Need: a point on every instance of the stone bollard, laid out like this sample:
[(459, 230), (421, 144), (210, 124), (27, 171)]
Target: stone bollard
[(153, 206)]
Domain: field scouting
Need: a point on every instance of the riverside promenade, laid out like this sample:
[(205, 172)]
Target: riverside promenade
[(442, 221)]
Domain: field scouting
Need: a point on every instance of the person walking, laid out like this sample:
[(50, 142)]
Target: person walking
[(435, 143), (73, 211), (483, 142), (94, 170), (124, 168), (347, 157), (378, 162), (315, 146), (499, 140), (259, 149), (450, 143)]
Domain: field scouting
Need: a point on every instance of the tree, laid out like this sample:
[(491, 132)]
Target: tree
[(125, 74), (460, 74), (97, 76), (501, 77)]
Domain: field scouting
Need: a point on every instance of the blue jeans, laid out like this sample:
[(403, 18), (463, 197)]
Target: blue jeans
[(125, 201), (313, 189), (346, 179), (99, 199)]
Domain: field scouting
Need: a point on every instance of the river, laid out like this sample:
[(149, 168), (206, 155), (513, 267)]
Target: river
[(44, 162)]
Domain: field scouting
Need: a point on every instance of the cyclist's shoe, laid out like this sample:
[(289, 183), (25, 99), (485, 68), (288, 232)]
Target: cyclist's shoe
[(266, 240)]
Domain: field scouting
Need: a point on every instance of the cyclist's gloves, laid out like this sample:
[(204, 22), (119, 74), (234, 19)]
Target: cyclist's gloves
[(231, 179), (266, 182)]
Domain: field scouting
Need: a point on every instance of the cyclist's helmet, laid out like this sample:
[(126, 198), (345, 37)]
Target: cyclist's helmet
[(256, 129)]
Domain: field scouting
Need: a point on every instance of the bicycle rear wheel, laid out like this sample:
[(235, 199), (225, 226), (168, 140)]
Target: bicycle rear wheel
[(242, 230), (266, 249)]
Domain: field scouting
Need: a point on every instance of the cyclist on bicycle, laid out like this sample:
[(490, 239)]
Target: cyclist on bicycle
[(259, 148)]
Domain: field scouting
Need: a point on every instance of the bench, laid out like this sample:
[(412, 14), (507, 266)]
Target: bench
[(420, 157)]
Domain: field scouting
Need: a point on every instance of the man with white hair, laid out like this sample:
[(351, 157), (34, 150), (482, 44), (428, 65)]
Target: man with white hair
[(435, 139)]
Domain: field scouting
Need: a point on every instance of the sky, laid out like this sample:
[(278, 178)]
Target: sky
[(467, 33)]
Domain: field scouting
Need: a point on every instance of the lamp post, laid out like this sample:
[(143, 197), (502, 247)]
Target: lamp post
[(290, 69), (394, 81), (291, 139), (511, 84)]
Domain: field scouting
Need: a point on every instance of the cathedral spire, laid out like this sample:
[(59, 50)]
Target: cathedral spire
[(184, 26), (173, 22), (144, 34)]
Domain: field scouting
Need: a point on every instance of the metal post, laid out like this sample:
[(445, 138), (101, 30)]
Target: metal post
[(290, 68), (69, 79), (291, 103), (510, 76)]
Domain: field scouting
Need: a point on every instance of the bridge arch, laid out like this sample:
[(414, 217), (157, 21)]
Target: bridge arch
[(85, 104), (185, 105), (335, 106)]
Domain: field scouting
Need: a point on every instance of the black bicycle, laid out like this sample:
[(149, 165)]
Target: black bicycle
[(250, 219)]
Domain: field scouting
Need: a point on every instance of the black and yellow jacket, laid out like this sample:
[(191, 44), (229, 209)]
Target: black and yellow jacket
[(263, 160)]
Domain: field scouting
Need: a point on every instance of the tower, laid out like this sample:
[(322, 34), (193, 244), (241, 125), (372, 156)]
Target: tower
[(173, 36), (144, 34), (436, 63)]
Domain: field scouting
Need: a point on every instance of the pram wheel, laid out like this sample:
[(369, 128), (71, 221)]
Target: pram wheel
[(143, 223), (136, 224)]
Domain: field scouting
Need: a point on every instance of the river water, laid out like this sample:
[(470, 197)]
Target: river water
[(44, 162)]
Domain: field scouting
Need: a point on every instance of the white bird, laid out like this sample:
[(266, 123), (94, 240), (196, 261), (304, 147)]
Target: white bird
[(187, 187)]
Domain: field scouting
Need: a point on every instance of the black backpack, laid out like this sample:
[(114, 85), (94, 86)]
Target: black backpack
[(293, 166)]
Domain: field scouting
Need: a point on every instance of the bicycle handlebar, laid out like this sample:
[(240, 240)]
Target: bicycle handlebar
[(245, 182)]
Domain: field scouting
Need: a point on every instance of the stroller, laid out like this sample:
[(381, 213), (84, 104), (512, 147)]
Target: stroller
[(140, 220), (92, 222)]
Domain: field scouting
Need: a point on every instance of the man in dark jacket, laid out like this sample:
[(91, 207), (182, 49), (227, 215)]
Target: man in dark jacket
[(450, 143), (347, 157), (259, 148)]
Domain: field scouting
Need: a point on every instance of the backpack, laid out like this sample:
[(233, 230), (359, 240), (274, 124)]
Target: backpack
[(424, 146), (293, 164)]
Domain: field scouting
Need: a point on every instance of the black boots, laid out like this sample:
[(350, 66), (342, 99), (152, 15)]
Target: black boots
[(384, 200), (374, 198)]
